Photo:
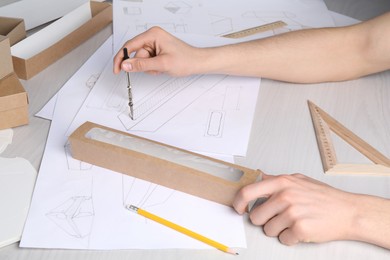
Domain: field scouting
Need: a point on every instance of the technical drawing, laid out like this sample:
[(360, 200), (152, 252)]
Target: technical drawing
[(165, 98), (170, 27), (92, 80), (221, 24), (157, 99), (74, 216), (228, 101), (113, 98), (215, 123), (176, 89), (144, 194), (132, 11), (178, 7), (73, 164)]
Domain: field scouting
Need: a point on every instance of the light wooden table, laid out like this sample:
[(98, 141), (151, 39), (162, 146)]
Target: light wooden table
[(282, 141)]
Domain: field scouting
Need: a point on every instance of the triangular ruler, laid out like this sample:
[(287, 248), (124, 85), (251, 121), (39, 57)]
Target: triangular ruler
[(323, 125)]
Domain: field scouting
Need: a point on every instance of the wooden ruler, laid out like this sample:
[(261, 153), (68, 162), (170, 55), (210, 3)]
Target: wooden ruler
[(324, 124), (254, 30)]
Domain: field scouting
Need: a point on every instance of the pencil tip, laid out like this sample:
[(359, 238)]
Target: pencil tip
[(231, 251)]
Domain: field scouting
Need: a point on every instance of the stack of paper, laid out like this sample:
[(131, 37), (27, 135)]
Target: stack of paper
[(77, 205)]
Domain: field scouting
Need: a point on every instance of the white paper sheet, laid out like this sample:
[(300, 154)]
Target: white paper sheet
[(339, 20), (7, 2), (52, 33), (343, 20), (5, 138), (77, 205), (204, 113), (217, 17), (17, 178), (48, 110), (72, 209), (38, 12)]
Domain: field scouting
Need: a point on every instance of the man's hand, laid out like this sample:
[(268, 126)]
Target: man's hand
[(157, 51), (300, 209)]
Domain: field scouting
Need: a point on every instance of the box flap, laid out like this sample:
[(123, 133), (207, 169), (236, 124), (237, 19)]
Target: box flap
[(12, 93), (13, 28), (5, 57)]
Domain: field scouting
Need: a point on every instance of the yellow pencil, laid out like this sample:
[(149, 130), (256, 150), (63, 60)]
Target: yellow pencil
[(181, 229)]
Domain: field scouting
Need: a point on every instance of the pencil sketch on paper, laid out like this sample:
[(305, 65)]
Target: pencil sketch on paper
[(74, 217), (92, 80), (178, 7), (144, 194), (132, 10), (157, 105), (144, 18), (221, 24), (175, 27)]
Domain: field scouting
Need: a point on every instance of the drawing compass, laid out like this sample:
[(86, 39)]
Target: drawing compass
[(130, 94)]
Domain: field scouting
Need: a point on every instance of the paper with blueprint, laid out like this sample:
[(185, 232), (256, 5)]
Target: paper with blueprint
[(204, 113), (81, 206), (216, 17)]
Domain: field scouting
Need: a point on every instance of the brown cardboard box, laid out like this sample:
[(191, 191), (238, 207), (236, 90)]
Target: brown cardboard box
[(5, 57), (101, 17), (13, 28), (13, 102), (13, 98), (159, 170)]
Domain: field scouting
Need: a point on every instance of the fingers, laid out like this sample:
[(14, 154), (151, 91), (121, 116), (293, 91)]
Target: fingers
[(140, 54), (139, 42), (288, 237), (276, 225), (253, 191), (297, 209), (150, 65), (268, 211)]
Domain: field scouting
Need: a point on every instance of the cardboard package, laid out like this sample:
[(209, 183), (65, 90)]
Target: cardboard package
[(159, 163), (13, 97), (13, 102), (13, 28), (5, 57), (101, 17)]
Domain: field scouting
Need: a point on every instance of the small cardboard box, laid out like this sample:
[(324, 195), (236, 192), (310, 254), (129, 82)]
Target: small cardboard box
[(13, 102), (13, 98), (159, 163), (101, 17), (13, 28), (5, 57)]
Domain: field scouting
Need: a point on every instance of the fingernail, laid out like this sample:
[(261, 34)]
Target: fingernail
[(127, 66)]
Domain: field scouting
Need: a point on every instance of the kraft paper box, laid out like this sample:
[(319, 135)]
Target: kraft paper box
[(5, 57), (13, 102), (101, 17), (13, 28), (159, 163), (13, 97)]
